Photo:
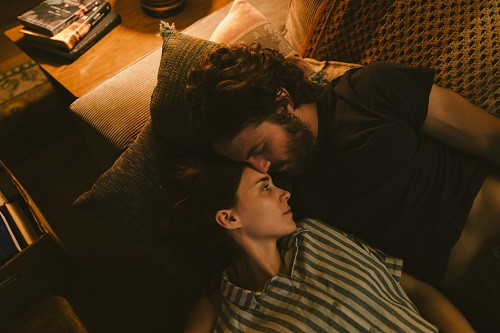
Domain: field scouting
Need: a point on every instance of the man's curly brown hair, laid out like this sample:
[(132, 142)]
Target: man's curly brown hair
[(235, 86)]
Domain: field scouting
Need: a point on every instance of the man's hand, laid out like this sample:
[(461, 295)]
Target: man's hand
[(434, 306)]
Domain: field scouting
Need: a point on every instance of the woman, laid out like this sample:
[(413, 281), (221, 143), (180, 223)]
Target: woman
[(280, 276)]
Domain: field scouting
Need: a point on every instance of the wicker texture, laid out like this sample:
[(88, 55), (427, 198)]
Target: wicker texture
[(460, 39)]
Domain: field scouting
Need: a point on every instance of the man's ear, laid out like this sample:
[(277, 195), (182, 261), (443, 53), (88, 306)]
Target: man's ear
[(226, 219), (285, 94)]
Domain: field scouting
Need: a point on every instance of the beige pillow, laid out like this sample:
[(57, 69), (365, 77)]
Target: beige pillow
[(301, 14), (245, 24)]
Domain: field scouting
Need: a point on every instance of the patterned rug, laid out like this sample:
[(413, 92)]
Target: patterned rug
[(31, 112), (20, 86)]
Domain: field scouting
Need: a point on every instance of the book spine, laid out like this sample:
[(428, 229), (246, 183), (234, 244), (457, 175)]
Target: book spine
[(8, 242), (75, 17), (20, 218), (88, 23), (95, 35)]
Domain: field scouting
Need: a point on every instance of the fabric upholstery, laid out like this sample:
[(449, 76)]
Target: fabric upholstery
[(130, 197), (458, 38), (109, 119), (168, 102)]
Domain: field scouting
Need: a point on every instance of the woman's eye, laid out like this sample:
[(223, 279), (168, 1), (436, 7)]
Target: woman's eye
[(266, 187)]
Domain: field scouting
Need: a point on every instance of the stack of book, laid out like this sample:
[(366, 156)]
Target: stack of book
[(19, 226), (68, 28)]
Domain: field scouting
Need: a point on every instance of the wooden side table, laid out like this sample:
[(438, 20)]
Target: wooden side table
[(128, 42)]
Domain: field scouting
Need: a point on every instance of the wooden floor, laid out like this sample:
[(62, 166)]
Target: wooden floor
[(115, 288)]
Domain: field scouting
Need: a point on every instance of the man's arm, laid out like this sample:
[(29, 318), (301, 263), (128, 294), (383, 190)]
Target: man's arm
[(453, 120), (434, 306), (203, 314)]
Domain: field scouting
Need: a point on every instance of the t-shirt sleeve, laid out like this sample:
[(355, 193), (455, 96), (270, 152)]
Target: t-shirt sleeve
[(394, 90)]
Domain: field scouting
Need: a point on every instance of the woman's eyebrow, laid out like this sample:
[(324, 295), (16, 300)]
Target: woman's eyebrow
[(263, 179)]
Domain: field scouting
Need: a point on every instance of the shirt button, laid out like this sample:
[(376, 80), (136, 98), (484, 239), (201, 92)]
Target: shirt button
[(373, 330), (336, 304), (302, 286)]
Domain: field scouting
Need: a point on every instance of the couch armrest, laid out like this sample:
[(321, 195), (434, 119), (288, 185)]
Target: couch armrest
[(112, 114)]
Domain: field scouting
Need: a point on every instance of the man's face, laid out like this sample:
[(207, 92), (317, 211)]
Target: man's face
[(269, 147)]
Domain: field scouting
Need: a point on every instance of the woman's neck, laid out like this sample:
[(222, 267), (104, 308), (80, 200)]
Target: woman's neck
[(256, 266)]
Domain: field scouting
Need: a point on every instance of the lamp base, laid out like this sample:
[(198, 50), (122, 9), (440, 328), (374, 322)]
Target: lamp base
[(162, 8)]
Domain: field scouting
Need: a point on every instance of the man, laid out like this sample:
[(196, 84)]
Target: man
[(380, 152)]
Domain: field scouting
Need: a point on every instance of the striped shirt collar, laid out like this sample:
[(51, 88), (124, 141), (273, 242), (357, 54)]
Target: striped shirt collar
[(248, 299)]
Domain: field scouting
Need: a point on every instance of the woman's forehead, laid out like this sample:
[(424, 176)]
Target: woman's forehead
[(251, 177)]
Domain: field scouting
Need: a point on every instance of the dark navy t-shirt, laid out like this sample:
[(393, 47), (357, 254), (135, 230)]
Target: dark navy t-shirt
[(378, 177)]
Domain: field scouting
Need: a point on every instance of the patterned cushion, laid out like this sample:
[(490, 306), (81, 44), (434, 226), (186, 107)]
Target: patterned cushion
[(130, 197), (168, 102), (244, 24), (458, 38)]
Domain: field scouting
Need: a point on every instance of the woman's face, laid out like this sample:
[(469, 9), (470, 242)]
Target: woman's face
[(262, 208)]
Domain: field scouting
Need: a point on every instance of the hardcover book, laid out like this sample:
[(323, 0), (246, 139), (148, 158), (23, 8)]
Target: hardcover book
[(17, 212), (70, 36), (8, 242), (105, 25), (52, 16)]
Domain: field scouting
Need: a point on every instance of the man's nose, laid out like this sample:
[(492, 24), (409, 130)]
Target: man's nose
[(260, 164)]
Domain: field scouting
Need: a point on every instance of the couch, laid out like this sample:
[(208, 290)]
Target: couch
[(135, 123)]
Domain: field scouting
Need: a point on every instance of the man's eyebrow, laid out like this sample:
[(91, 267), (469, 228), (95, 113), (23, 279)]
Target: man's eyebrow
[(252, 149)]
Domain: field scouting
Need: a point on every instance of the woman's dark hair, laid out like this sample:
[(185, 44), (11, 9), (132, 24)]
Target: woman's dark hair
[(237, 85), (204, 185)]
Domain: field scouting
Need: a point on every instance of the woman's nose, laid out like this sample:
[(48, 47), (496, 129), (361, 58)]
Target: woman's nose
[(286, 195), (260, 164)]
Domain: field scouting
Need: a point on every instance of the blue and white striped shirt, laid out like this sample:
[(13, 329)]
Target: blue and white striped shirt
[(336, 284)]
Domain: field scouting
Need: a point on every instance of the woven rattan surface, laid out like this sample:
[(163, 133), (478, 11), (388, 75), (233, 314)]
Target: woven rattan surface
[(459, 38)]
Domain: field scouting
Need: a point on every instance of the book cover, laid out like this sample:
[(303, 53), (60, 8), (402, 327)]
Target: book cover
[(105, 25), (17, 211), (71, 35), (52, 16), (9, 245)]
